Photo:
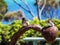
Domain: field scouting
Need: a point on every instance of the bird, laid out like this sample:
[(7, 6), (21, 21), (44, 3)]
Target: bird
[(50, 32), (24, 22)]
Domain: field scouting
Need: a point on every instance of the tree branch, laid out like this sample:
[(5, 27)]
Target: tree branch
[(28, 10), (22, 31), (40, 10), (45, 15)]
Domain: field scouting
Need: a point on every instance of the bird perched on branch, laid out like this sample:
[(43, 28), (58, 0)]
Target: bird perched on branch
[(22, 16), (25, 22)]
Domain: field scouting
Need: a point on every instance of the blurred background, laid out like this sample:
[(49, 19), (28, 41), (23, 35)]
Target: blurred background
[(10, 20)]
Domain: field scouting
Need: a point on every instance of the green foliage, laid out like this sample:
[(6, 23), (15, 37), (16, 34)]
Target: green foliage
[(1, 17), (3, 6), (9, 30)]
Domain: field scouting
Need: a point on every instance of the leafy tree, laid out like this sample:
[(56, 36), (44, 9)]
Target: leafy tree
[(15, 15), (49, 8), (3, 7), (1, 17)]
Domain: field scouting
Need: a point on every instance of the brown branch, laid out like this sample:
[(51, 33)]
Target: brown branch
[(22, 31), (28, 10)]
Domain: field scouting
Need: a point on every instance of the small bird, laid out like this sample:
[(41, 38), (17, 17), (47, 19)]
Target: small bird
[(22, 16), (25, 22)]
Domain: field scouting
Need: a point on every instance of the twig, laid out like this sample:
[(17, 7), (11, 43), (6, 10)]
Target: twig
[(45, 15), (28, 10), (20, 5)]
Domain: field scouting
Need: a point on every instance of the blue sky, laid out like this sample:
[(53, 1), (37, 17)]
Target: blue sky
[(14, 7)]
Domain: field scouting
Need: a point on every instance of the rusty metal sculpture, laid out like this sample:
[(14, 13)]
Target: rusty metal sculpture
[(49, 32)]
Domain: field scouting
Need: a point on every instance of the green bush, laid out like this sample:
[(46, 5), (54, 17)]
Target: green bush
[(9, 30)]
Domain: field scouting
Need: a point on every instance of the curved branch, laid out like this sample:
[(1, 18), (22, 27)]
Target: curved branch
[(22, 31)]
